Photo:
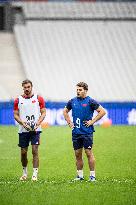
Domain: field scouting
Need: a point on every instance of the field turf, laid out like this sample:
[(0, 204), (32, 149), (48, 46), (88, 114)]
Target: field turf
[(115, 153)]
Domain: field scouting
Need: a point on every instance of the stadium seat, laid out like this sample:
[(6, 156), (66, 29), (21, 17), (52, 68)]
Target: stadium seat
[(58, 54)]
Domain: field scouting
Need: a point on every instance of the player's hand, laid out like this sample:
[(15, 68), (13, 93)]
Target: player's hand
[(26, 126), (88, 123), (36, 126), (71, 125)]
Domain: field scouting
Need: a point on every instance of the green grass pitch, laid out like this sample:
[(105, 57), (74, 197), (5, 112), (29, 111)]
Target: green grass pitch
[(115, 153)]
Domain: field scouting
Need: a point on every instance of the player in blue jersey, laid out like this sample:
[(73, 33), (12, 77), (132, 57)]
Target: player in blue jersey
[(83, 108)]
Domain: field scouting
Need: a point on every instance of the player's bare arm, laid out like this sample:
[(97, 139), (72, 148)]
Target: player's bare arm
[(101, 112), (41, 118), (18, 119), (67, 118)]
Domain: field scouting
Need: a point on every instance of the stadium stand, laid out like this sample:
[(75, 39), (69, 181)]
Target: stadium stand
[(58, 54), (11, 73), (78, 10), (61, 43)]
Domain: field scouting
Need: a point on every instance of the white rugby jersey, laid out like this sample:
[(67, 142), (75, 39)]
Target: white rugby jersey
[(29, 110)]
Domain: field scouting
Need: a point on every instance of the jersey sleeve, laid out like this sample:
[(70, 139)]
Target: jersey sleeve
[(16, 104), (41, 102), (94, 104), (69, 105)]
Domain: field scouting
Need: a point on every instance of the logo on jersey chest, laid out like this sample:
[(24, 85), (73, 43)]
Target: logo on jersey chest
[(80, 105), (28, 102), (84, 105)]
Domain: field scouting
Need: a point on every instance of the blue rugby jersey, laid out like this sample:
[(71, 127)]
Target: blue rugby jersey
[(82, 110)]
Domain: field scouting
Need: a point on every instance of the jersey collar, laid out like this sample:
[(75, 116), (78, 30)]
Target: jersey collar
[(24, 96)]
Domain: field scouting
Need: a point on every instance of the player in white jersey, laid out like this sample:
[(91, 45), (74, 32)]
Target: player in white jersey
[(29, 112)]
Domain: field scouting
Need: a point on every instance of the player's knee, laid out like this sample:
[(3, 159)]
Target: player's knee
[(23, 152), (78, 156), (89, 154), (34, 152)]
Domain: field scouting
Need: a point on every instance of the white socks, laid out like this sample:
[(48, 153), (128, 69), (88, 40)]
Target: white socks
[(25, 171), (35, 171), (80, 173), (92, 173)]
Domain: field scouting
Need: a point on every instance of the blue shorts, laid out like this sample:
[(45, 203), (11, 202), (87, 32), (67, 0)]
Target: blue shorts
[(80, 141), (26, 137)]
